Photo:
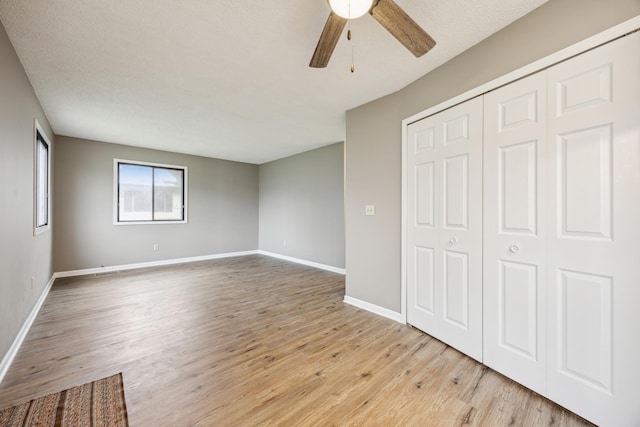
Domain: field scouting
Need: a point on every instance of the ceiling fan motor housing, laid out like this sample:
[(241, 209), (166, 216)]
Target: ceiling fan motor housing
[(350, 9)]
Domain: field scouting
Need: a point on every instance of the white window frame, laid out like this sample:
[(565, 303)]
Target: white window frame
[(185, 185), (39, 229)]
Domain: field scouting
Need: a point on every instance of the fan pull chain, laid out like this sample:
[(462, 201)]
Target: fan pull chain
[(353, 67)]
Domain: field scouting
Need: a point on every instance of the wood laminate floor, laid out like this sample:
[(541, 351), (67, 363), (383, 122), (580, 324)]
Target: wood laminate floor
[(257, 341)]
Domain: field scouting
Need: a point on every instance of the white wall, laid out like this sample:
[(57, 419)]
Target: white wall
[(302, 204), (22, 255), (222, 208)]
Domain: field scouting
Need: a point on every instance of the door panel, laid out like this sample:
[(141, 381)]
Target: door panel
[(518, 318), (584, 89), (456, 130), (456, 192), (514, 231), (519, 111), (517, 188), (585, 321), (424, 140), (424, 195), (594, 247), (456, 284), (444, 227), (584, 179), (424, 279)]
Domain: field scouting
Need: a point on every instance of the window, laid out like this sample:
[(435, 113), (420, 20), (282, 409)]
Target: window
[(149, 193), (42, 205)]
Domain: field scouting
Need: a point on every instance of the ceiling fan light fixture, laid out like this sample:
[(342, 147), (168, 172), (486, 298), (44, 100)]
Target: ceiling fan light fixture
[(350, 9)]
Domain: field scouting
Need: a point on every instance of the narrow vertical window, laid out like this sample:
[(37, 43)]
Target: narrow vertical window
[(42, 184), (149, 193)]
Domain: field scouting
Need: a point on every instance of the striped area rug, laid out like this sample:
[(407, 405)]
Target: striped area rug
[(98, 403)]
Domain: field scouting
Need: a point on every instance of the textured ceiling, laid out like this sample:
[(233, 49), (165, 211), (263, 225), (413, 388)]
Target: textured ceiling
[(224, 79)]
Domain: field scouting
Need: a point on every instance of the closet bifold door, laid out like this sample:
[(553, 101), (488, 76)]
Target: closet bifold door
[(514, 246), (593, 269), (444, 226)]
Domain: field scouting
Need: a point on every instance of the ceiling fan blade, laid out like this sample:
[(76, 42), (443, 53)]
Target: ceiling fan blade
[(402, 27), (328, 40)]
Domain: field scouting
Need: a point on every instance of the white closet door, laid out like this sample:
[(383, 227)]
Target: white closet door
[(594, 241), (514, 266), (444, 227)]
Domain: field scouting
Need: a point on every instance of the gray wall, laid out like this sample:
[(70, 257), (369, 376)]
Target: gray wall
[(22, 255), (222, 210), (302, 203), (374, 135)]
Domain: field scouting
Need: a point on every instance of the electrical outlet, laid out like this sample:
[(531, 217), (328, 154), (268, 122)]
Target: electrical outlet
[(156, 247), (284, 243), (370, 210), (32, 281)]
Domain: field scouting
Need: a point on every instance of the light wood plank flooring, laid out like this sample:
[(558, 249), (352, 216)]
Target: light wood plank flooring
[(257, 341)]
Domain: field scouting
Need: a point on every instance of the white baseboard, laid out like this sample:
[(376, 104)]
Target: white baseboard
[(304, 262), (375, 309), (22, 334), (116, 268)]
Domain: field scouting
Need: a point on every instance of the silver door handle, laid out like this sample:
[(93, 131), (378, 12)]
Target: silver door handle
[(514, 249), (453, 241)]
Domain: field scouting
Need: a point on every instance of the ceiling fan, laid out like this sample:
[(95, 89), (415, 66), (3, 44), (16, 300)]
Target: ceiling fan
[(386, 12)]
